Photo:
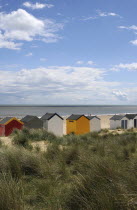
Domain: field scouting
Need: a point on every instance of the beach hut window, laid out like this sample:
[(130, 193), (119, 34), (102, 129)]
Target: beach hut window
[(124, 124)]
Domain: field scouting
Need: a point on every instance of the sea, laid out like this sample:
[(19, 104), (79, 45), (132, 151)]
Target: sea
[(20, 111)]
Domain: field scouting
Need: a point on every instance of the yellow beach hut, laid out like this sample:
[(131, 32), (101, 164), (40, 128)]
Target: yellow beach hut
[(77, 124)]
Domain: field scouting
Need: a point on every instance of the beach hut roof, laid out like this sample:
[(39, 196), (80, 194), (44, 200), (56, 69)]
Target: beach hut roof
[(48, 116), (27, 118), (131, 116), (92, 117), (76, 117), (117, 117), (6, 120)]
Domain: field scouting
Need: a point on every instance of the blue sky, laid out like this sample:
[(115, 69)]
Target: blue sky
[(68, 52)]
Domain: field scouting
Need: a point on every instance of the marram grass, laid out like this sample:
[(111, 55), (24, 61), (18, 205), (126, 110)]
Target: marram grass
[(93, 171)]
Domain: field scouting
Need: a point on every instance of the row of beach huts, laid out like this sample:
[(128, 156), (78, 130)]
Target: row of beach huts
[(77, 124)]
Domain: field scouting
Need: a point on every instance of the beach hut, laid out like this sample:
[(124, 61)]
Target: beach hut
[(32, 122), (53, 123), (132, 120), (119, 121), (77, 124), (8, 124), (95, 123)]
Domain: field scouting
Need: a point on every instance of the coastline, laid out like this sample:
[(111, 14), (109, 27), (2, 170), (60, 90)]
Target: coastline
[(105, 120)]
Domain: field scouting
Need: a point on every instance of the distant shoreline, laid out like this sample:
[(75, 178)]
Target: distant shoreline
[(20, 111), (50, 105)]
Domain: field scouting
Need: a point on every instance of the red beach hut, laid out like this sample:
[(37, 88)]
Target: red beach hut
[(8, 124)]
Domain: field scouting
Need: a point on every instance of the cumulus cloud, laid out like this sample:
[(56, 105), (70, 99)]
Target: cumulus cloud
[(128, 66), (21, 26), (37, 5), (68, 84), (9, 44)]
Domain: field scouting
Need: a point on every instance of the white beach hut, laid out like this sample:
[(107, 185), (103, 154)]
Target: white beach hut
[(95, 123), (52, 122), (132, 120), (119, 121)]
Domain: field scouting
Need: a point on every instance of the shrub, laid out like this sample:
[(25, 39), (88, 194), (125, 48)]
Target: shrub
[(1, 143), (105, 130), (19, 162), (21, 138)]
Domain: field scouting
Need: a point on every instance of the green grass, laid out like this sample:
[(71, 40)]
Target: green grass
[(22, 138), (93, 171)]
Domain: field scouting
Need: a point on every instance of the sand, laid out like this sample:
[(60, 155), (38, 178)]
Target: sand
[(64, 124), (7, 141)]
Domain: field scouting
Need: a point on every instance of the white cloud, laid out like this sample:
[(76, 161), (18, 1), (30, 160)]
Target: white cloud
[(128, 66), (89, 18), (37, 5), (63, 84), (59, 14), (112, 14), (120, 95), (57, 84), (134, 42), (90, 62), (105, 14), (80, 62), (21, 26), (9, 66), (101, 14), (29, 54), (9, 44), (43, 59), (133, 27)]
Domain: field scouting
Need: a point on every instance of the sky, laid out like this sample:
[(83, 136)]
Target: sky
[(68, 52)]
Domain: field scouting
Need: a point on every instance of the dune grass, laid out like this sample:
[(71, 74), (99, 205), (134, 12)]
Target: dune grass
[(92, 171), (11, 193)]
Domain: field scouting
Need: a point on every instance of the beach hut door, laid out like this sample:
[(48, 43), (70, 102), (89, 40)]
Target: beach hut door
[(135, 123), (124, 124)]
